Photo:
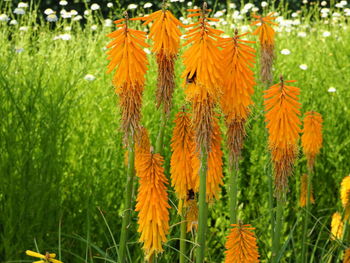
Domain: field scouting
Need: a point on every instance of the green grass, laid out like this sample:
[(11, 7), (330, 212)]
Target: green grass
[(62, 170)]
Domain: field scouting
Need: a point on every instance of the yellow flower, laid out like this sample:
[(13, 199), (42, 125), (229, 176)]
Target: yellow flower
[(336, 226), (345, 195), (48, 257)]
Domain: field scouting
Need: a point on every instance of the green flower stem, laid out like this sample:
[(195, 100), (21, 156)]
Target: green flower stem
[(278, 229), (183, 239), (306, 218), (233, 192)]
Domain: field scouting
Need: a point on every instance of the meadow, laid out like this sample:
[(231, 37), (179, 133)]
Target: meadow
[(62, 167)]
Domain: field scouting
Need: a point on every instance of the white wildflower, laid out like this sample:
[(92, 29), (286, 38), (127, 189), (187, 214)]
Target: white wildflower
[(326, 34), (303, 66), (248, 6), (94, 27), (48, 11), (63, 3), (19, 49), (68, 28), (19, 11), (13, 22), (73, 12), (264, 4), (174, 1), (89, 77), (285, 51), (109, 5), (294, 14), (218, 14), (4, 18), (332, 89), (132, 6), (108, 22), (323, 3), (147, 5), (65, 37), (52, 18), (86, 12), (232, 5), (189, 4), (255, 9), (95, 7), (22, 5), (77, 18), (301, 34), (23, 28), (147, 51)]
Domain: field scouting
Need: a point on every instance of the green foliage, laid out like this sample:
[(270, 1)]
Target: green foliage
[(62, 171)]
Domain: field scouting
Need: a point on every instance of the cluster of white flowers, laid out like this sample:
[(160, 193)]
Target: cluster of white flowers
[(341, 4), (4, 18), (132, 6), (108, 23), (147, 5), (95, 7), (65, 37)]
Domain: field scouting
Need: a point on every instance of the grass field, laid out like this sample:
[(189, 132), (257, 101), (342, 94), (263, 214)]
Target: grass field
[(62, 172)]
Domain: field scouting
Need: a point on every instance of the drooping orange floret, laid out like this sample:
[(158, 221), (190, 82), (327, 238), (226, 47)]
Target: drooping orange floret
[(345, 195), (336, 226), (346, 258), (283, 124), (152, 203), (303, 191), (203, 58), (165, 34), (267, 44), (192, 215), (214, 172), (182, 146), (241, 246), (128, 58), (238, 61), (312, 136)]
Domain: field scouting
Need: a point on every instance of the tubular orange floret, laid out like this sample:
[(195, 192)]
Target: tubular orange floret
[(241, 245), (267, 43), (303, 191), (152, 203), (182, 146), (238, 60), (312, 136), (192, 215), (214, 173), (336, 226), (127, 56), (203, 58), (283, 124), (165, 34), (346, 258), (345, 195)]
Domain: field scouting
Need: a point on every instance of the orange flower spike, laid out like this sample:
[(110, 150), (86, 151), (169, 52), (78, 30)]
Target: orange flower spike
[(152, 203), (264, 30), (203, 58), (182, 146), (241, 245), (127, 56), (312, 136), (283, 124)]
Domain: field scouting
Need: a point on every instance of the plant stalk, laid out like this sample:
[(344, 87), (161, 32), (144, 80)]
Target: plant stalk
[(306, 218), (183, 239), (203, 206), (278, 229), (127, 200), (160, 138), (233, 186)]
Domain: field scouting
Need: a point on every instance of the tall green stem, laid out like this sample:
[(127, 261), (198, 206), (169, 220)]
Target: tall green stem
[(183, 239), (233, 191), (160, 138), (203, 208), (127, 200), (278, 229), (306, 218)]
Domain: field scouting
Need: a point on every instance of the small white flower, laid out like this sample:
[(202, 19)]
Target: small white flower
[(285, 51), (48, 11), (86, 12), (303, 66), (132, 6), (223, 22), (323, 3), (23, 28), (218, 14), (73, 12), (255, 9), (245, 28), (181, 1), (324, 15), (189, 4), (95, 7), (52, 18), (65, 14), (22, 5), (65, 37), (339, 5), (344, 3), (63, 3), (301, 34), (304, 2), (248, 6), (4, 18), (94, 27), (232, 5), (332, 89), (147, 5), (294, 14), (326, 34), (108, 22), (19, 11), (89, 77), (174, 1), (109, 5), (264, 4), (19, 49), (13, 22), (67, 28), (336, 14), (147, 51), (324, 10), (77, 18)]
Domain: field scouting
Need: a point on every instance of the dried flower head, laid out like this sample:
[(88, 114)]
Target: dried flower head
[(192, 215), (303, 191), (182, 146), (152, 203), (336, 226), (241, 245), (127, 56), (312, 136), (345, 195), (238, 60), (165, 34), (283, 124), (267, 44)]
